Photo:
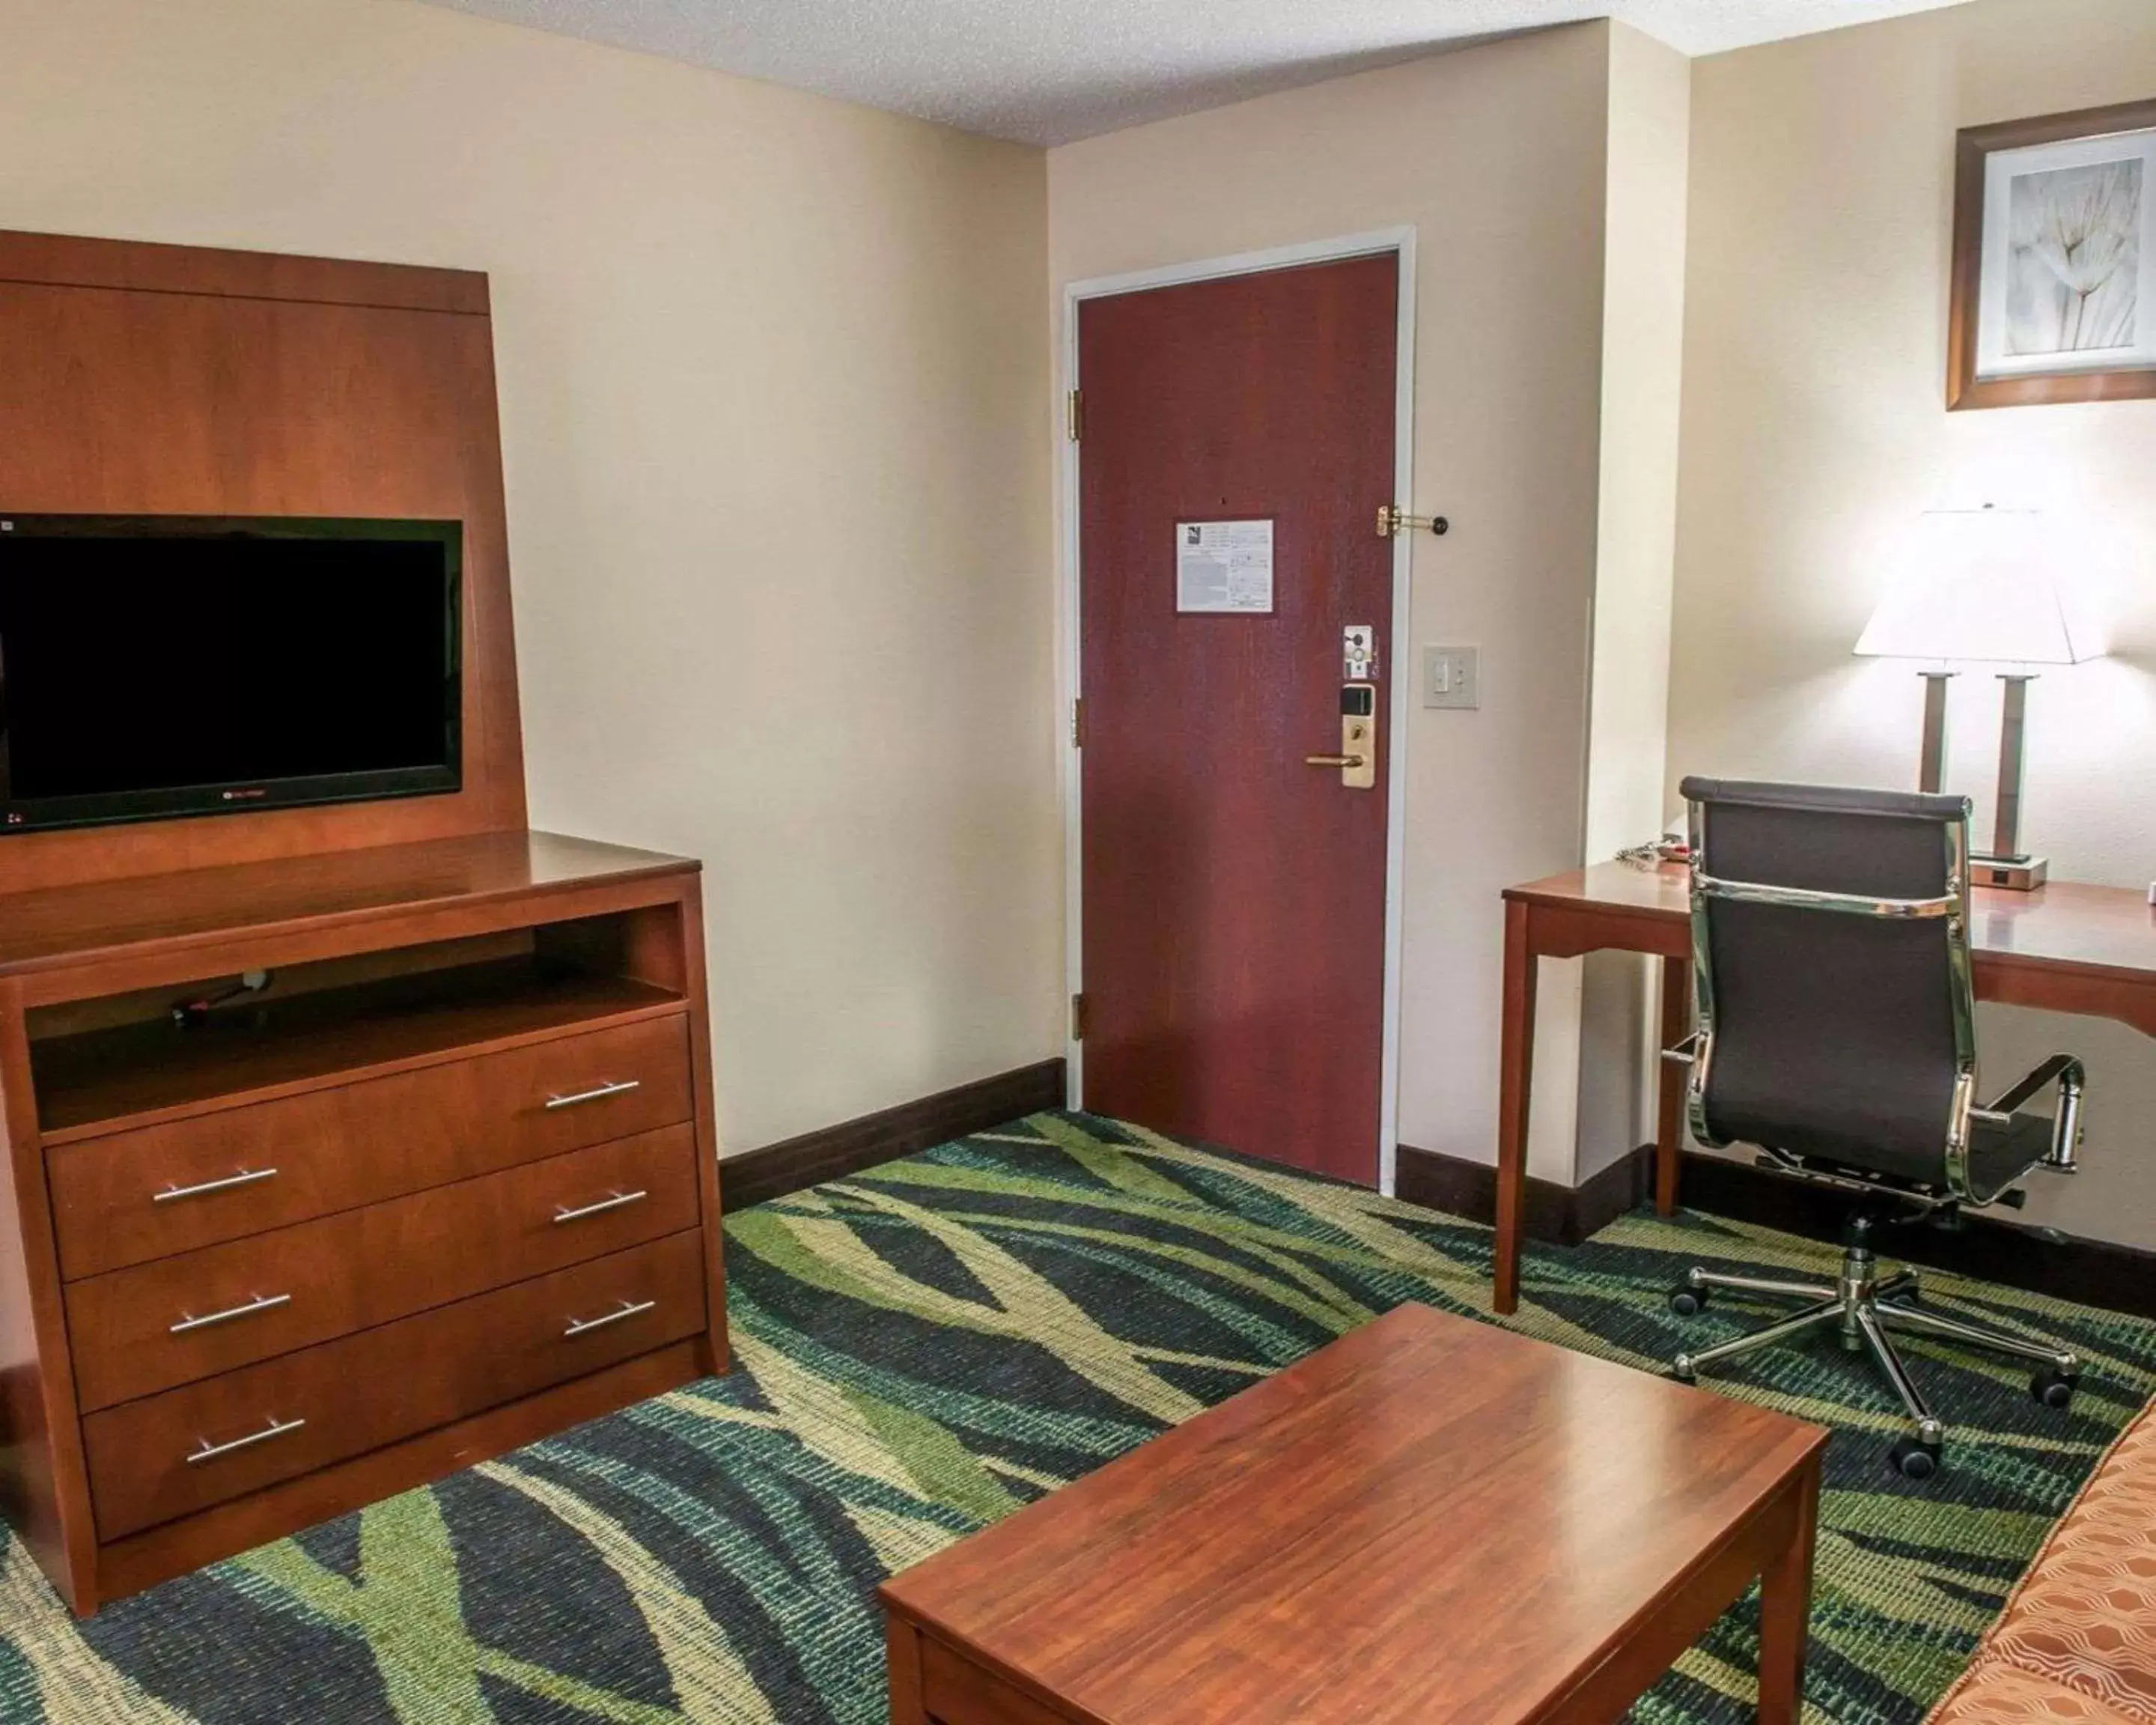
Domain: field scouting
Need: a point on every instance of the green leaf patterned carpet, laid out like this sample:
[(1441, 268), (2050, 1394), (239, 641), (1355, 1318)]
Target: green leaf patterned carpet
[(923, 1348)]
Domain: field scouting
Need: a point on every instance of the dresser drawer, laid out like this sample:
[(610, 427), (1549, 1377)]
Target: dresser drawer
[(153, 1460), (146, 1328), (152, 1191)]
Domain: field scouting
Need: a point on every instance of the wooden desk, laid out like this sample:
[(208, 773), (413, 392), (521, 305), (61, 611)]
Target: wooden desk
[(2064, 948), (1429, 1519)]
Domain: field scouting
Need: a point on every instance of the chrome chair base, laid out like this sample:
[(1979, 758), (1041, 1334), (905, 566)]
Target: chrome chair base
[(1863, 1306)]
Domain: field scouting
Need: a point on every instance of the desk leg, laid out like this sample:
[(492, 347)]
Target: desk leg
[(1785, 1602), (1515, 1083), (901, 1643), (1669, 1116)]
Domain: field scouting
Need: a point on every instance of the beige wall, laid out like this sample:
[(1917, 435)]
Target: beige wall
[(1635, 539), (774, 393), (1642, 361), (1813, 431), (1494, 155)]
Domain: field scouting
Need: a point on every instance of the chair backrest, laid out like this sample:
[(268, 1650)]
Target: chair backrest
[(1831, 955)]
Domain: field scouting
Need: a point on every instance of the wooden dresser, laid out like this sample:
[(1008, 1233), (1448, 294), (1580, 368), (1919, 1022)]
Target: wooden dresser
[(446, 1183)]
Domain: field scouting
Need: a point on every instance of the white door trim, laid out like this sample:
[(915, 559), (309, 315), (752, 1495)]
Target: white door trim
[(1398, 673)]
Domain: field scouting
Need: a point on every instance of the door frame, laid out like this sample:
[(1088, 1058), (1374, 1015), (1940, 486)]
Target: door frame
[(1400, 241)]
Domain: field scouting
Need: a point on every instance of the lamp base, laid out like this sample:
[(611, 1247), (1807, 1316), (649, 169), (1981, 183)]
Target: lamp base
[(2016, 874)]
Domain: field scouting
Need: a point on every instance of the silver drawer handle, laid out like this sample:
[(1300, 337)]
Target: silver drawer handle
[(245, 1177), (614, 1089), (260, 1302), (616, 1202), (275, 1429), (627, 1308)]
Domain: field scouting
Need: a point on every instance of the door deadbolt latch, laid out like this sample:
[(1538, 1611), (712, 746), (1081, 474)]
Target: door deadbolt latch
[(1357, 759)]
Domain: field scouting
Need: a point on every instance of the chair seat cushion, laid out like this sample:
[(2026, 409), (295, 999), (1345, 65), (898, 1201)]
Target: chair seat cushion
[(2077, 1639), (1998, 1155), (2085, 1612), (2003, 1695)]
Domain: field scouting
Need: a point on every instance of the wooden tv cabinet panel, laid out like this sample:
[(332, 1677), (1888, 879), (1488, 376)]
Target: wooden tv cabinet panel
[(467, 1125)]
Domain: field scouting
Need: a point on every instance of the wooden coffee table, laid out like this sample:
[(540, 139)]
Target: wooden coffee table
[(1430, 1520)]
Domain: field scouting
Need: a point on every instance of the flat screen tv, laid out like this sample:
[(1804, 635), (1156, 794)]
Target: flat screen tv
[(155, 666)]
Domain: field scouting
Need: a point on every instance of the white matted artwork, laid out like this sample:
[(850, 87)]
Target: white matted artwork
[(2066, 279), (1223, 568)]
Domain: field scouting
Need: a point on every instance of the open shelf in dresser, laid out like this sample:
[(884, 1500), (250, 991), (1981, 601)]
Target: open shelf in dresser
[(129, 1074)]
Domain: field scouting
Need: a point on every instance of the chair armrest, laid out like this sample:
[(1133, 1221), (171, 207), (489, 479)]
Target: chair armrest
[(2065, 1070), (2062, 1069)]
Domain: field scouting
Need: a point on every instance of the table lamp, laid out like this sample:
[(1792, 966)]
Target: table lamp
[(1984, 587)]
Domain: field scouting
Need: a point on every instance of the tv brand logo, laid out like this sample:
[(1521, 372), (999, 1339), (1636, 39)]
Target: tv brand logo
[(245, 796)]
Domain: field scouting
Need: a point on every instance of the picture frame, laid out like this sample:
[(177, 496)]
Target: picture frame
[(2053, 279)]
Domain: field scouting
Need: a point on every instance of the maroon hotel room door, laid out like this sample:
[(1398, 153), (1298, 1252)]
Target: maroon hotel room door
[(1233, 897)]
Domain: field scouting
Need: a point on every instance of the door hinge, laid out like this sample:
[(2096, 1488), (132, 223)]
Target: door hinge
[(1078, 723), (1074, 415), (1077, 1018), (1393, 521)]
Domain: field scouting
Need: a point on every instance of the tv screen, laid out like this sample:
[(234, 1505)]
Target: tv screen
[(160, 666)]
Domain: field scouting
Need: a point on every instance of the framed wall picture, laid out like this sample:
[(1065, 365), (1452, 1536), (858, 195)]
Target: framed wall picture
[(2054, 291)]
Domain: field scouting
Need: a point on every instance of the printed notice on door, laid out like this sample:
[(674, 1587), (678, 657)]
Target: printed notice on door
[(1224, 567)]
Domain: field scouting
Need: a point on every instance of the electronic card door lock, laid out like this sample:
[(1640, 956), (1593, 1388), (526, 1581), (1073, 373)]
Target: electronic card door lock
[(1357, 759)]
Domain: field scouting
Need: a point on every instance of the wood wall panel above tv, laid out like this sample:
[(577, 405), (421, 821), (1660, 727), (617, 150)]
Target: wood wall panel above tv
[(168, 380)]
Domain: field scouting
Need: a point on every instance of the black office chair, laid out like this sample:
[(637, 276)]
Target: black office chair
[(1836, 1031)]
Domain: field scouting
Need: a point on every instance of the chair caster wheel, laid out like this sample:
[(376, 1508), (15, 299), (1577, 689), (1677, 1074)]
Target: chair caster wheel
[(2053, 1388), (1914, 1459), (1687, 1301)]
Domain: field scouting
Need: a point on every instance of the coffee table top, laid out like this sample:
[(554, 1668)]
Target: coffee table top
[(1431, 1519)]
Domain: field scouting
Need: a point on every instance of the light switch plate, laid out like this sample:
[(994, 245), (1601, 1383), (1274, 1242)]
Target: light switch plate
[(1451, 677)]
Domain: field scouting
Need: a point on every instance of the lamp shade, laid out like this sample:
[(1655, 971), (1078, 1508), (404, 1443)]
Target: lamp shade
[(1983, 586)]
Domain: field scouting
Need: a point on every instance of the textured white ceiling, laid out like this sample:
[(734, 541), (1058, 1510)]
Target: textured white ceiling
[(1048, 71)]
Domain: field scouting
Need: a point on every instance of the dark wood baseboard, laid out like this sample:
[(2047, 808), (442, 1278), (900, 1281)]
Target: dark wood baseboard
[(2091, 1272), (837, 1151), (1563, 1215)]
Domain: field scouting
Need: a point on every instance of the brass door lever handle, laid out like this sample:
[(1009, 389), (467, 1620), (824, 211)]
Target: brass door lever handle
[(1356, 761)]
